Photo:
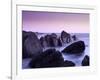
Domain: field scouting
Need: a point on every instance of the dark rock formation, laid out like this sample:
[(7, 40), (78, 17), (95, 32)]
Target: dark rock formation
[(48, 58), (75, 48), (85, 61), (54, 39), (68, 63), (49, 40), (43, 42), (24, 37), (54, 35), (74, 37), (31, 44), (59, 42), (65, 37)]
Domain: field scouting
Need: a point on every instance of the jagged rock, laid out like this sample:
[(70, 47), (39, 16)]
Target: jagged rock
[(65, 37), (68, 63), (85, 61), (75, 48), (24, 37), (59, 42), (48, 58), (54, 35), (54, 39), (31, 45), (74, 37), (43, 42), (49, 40)]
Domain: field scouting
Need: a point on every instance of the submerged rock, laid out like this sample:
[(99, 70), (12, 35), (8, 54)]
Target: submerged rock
[(85, 61), (68, 63), (75, 48), (48, 58), (31, 45)]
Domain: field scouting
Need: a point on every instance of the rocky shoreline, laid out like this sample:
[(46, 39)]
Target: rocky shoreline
[(43, 52)]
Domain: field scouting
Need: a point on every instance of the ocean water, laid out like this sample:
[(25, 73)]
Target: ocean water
[(77, 59)]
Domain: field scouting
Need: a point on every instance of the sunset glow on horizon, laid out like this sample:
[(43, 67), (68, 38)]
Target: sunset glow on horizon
[(48, 22)]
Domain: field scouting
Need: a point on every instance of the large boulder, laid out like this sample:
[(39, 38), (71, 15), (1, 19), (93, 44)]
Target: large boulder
[(43, 42), (75, 48), (54, 35), (49, 40), (24, 37), (48, 58), (85, 61), (68, 63), (54, 39), (65, 37), (59, 42), (31, 45)]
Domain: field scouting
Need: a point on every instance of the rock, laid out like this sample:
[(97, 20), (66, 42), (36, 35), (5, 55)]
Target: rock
[(54, 39), (49, 40), (85, 61), (74, 37), (68, 63), (59, 42), (24, 37), (54, 35), (65, 37), (31, 45), (43, 42), (48, 58), (75, 48)]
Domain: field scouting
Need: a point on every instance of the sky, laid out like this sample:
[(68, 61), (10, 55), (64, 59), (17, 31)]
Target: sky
[(55, 22)]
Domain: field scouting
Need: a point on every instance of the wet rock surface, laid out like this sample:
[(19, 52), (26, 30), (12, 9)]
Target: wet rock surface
[(48, 58), (75, 48), (68, 63), (59, 42), (65, 37), (74, 37), (85, 61), (31, 45), (43, 42)]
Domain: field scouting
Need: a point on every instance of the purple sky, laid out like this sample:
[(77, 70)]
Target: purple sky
[(38, 21)]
